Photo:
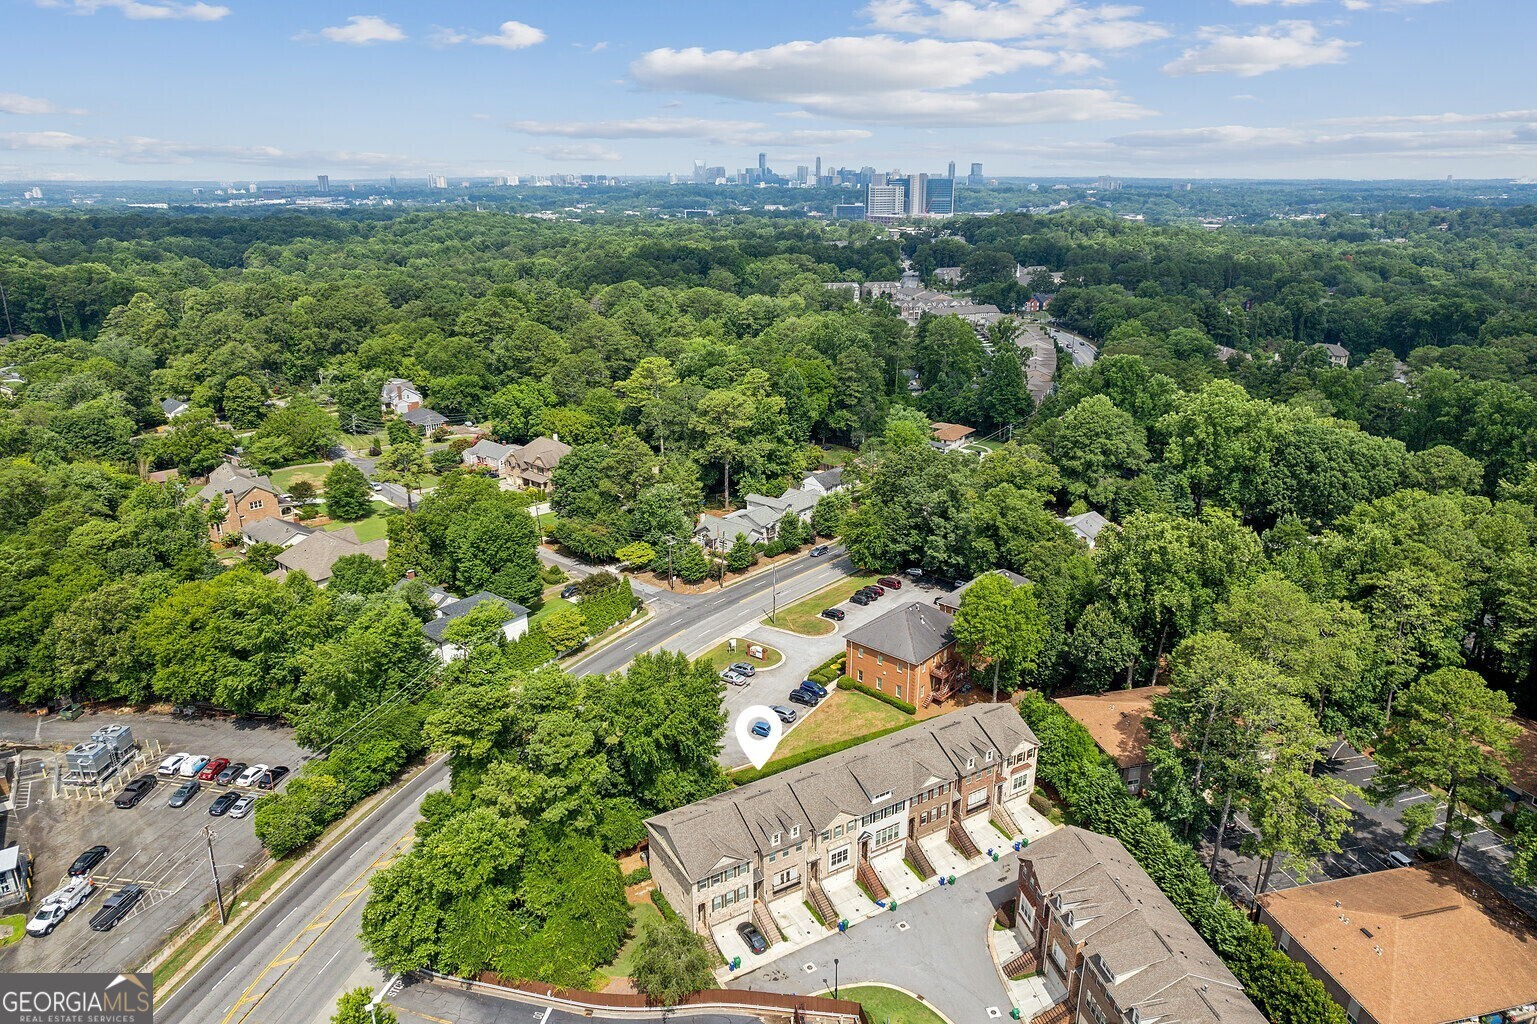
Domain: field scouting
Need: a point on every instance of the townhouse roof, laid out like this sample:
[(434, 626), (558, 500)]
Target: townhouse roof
[(738, 824), (426, 418), (455, 610), (274, 531), (951, 431), (1381, 935), (1154, 958), (912, 633), (236, 480), (1087, 525), (316, 554), (952, 600), (1116, 720)]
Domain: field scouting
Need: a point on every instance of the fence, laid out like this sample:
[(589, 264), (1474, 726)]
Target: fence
[(616, 1004)]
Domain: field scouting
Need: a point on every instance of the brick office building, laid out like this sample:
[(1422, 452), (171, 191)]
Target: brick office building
[(909, 653)]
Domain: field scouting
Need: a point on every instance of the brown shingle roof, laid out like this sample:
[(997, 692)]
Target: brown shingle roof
[(1115, 720), (1418, 945), (951, 431)]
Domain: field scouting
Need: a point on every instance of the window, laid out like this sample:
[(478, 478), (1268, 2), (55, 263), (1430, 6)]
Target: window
[(773, 857), (880, 680), (837, 831), (880, 659), (704, 885), (838, 858), (1026, 913), (888, 834), (989, 757), (254, 505), (1058, 957), (899, 691), (860, 674), (977, 799), (1020, 782), (774, 839), (971, 763), (795, 831), (880, 815), (787, 878)]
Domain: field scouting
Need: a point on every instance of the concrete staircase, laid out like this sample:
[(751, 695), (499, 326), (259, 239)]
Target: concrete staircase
[(872, 881), (766, 923), (999, 815), (960, 839), (824, 906), (918, 859)]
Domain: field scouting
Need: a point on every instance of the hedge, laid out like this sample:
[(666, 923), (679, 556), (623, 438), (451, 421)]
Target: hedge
[(660, 902), (529, 651), (1095, 797), (603, 610), (641, 874), (848, 683), (742, 776)]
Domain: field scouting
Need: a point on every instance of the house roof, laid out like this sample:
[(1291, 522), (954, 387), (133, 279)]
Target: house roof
[(172, 405), (951, 431), (398, 384), (10, 859), (424, 418), (237, 480), (448, 613), (1115, 720), (1382, 936), (912, 633), (952, 600), (735, 825), (317, 553), (1087, 525), (542, 453), (489, 450), (828, 479), (1156, 962), (274, 531)]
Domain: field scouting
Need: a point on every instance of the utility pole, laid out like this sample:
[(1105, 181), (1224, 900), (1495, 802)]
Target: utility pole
[(774, 590), (9, 330), (218, 891), (671, 540)]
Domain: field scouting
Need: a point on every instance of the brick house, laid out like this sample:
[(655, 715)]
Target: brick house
[(1108, 943), (248, 497), (909, 653), (531, 466), (816, 833), (399, 396)]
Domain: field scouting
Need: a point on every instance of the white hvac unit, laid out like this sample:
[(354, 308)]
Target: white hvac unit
[(117, 737), (88, 758)]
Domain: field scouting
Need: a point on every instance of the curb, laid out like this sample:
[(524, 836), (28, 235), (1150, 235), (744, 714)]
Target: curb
[(895, 988)]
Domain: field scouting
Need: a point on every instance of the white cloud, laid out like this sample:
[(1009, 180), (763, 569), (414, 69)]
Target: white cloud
[(1284, 45), (440, 36), (1278, 3), (707, 129), (16, 103), (1054, 23), (585, 152), (136, 149), (1380, 120), (363, 30), (512, 35), (141, 10)]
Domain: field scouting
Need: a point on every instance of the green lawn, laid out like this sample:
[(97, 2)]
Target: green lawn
[(888, 1006), (372, 528), (315, 473), (550, 607), (805, 616), (837, 455), (718, 657), (12, 928), (641, 915), (845, 714)]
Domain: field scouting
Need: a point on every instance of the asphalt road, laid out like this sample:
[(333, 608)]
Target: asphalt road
[(294, 958)]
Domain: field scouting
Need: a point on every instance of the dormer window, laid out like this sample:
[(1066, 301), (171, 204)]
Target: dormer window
[(971, 763), (989, 757), (795, 831), (774, 839)]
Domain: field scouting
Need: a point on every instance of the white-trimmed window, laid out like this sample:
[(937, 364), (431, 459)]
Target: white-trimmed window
[(1021, 781), (888, 834), (774, 839), (839, 857), (795, 831), (254, 505), (787, 878)]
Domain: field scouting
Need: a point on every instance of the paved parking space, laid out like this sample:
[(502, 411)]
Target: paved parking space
[(153, 845)]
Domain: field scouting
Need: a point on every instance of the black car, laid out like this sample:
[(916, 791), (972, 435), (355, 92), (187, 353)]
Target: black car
[(754, 938), (859, 599), (814, 688), (270, 780), (116, 908), (819, 551), (222, 803), (184, 793), (88, 860), (836, 614), (228, 776), (135, 791), (803, 697), (568, 591)]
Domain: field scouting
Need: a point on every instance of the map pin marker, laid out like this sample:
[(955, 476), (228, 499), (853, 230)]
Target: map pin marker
[(758, 731)]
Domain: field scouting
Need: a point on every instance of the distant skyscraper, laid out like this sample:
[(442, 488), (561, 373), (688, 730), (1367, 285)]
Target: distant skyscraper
[(939, 197), (951, 174), (762, 165), (819, 168), (917, 192), (324, 181), (886, 201), (801, 173), (975, 177)]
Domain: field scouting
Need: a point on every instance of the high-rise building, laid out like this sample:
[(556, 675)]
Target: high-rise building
[(324, 181), (819, 168), (975, 177), (802, 173), (392, 182), (762, 165), (917, 191), (951, 174), (437, 181), (939, 197), (886, 201)]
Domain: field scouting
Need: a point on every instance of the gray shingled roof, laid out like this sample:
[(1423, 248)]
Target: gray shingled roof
[(459, 609), (913, 633), (426, 418), (829, 478), (1087, 525), (273, 531), (733, 826), (237, 480), (952, 600), (317, 553)]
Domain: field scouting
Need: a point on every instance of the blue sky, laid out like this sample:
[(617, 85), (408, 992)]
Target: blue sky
[(241, 89)]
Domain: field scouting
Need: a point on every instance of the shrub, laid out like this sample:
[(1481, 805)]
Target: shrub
[(661, 904), (638, 876), (743, 776), (597, 583), (553, 574), (609, 607), (848, 683)]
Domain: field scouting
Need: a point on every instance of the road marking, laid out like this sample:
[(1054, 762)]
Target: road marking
[(547, 1011), (428, 1016)]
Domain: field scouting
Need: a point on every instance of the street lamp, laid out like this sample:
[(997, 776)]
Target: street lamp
[(835, 977)]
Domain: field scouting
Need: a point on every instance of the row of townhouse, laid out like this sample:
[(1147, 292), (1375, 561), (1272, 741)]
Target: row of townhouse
[(813, 830)]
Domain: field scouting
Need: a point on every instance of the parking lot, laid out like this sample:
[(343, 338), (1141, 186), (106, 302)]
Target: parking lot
[(160, 848)]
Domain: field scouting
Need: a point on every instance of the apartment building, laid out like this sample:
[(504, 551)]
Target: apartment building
[(909, 652), (1109, 944), (816, 832)]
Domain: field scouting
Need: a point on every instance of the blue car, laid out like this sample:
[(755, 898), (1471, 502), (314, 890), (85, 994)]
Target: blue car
[(816, 689), (761, 729)]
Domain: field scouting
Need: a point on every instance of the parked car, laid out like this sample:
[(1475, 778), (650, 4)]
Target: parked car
[(184, 794), (890, 582), (116, 908), (242, 806), (742, 668), (212, 769), (761, 729), (228, 776), (250, 775), (732, 677), (568, 592), (88, 860), (811, 686), (804, 697), (786, 715), (191, 765), (222, 803), (57, 905), (914, 573), (273, 777), (859, 599), (836, 614), (754, 938), (173, 763), (135, 791), (876, 589), (819, 551)]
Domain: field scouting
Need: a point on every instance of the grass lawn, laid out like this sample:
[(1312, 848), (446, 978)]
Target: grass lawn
[(550, 607), (12, 929), (315, 473), (372, 528), (641, 916), (888, 1006), (718, 657), (837, 455), (805, 616), (845, 714)]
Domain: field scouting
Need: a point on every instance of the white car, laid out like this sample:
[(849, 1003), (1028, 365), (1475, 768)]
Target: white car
[(170, 765), (251, 774), (58, 904), (191, 765), (242, 806)]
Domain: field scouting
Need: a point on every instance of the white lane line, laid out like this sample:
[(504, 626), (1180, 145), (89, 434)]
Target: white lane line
[(545, 1019)]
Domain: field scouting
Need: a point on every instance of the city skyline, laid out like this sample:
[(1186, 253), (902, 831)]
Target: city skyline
[(174, 90)]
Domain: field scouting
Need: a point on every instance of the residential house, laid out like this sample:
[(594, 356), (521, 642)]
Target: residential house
[(717, 533), (949, 437), (951, 603), (1426, 944), (163, 476), (530, 466), (248, 498), (425, 420), (316, 554), (1108, 943), (487, 454), (15, 870), (1118, 722), (399, 396), (760, 851), (1038, 301), (173, 407), (796, 499), (274, 531), (909, 653), (10, 381), (1338, 354), (514, 621), (948, 275), (827, 481), (1087, 526)]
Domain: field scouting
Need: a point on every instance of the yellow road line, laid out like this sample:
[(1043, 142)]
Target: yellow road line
[(427, 1016)]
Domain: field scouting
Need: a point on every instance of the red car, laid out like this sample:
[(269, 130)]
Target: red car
[(890, 582), (878, 591), (212, 769)]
